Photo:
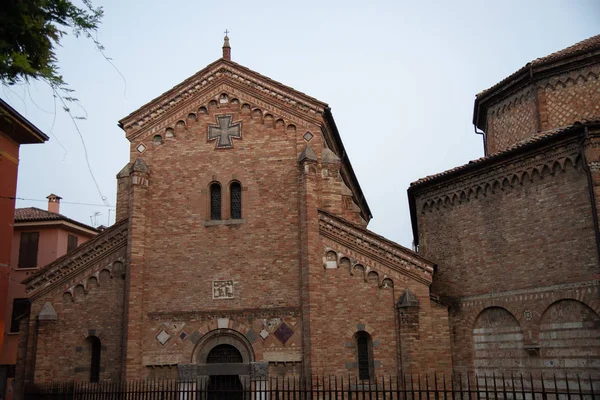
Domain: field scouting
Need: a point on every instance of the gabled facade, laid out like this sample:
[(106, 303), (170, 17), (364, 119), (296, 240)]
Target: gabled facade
[(246, 239)]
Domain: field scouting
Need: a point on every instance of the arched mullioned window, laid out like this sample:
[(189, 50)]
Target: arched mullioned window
[(235, 194), (365, 355), (94, 348), (215, 201)]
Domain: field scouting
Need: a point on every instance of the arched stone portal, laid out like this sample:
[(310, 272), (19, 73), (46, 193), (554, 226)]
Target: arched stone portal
[(223, 353)]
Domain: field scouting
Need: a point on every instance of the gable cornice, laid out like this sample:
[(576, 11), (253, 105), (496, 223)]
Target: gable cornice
[(233, 72), (376, 247), (64, 268), (212, 92)]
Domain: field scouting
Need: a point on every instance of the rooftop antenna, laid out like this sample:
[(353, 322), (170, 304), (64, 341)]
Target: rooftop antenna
[(94, 218)]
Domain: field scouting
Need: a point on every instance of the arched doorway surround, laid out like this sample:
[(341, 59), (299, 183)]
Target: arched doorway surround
[(220, 337)]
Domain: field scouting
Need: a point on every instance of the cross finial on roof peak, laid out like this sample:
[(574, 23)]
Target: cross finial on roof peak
[(226, 47)]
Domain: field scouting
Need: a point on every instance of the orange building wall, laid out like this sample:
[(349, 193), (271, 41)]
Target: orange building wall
[(52, 245), (9, 162)]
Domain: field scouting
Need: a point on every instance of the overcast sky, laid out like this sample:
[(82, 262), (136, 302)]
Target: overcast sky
[(399, 76)]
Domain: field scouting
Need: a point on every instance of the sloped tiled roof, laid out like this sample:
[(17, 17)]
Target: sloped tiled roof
[(587, 45), (33, 214), (517, 146), (165, 96)]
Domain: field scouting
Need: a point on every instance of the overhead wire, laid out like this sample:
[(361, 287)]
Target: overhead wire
[(62, 202)]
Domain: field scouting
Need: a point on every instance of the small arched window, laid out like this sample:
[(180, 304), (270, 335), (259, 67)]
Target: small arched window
[(215, 201), (365, 355), (235, 193), (94, 347)]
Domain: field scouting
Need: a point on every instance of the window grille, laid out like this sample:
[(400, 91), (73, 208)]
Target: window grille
[(364, 368), (224, 353), (215, 201), (236, 200)]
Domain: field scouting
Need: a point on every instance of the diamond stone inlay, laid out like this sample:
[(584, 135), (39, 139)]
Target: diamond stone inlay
[(224, 132), (162, 337), (307, 136), (264, 334), (283, 333), (141, 148), (183, 335)]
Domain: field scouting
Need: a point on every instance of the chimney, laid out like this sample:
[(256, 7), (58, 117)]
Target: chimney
[(54, 203), (226, 48)]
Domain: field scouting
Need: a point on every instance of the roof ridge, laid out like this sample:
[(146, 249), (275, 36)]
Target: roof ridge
[(39, 214), (538, 137), (582, 46), (375, 235), (159, 101)]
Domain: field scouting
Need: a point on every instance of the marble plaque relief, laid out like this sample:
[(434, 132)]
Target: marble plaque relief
[(222, 289)]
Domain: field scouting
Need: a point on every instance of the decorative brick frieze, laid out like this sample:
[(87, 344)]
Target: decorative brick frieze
[(167, 124), (384, 252), (67, 268), (245, 81), (528, 294), (502, 176), (210, 315)]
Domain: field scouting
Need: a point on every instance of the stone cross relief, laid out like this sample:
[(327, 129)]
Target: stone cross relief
[(224, 132)]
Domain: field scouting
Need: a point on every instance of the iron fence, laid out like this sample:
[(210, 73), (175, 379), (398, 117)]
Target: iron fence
[(409, 387)]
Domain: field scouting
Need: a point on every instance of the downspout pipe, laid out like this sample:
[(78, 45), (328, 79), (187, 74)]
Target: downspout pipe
[(482, 133), (591, 189)]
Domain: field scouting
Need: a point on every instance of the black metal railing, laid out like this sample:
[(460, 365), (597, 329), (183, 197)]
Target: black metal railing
[(409, 387)]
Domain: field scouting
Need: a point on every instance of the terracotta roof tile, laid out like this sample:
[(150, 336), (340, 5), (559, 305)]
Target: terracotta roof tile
[(534, 139), (581, 47), (31, 214), (587, 45)]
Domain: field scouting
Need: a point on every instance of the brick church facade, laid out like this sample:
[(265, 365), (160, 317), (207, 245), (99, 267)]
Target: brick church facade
[(241, 236)]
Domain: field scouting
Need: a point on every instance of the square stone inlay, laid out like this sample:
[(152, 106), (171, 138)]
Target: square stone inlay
[(163, 337), (307, 136), (141, 148), (223, 323), (283, 333)]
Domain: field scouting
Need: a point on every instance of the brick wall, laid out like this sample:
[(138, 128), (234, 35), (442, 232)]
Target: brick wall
[(59, 349), (511, 120), (570, 97), (545, 104), (520, 234), (512, 241), (353, 291)]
